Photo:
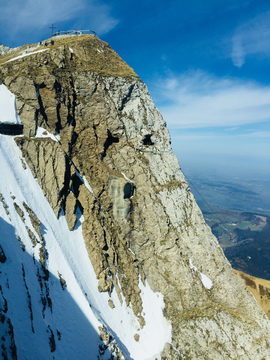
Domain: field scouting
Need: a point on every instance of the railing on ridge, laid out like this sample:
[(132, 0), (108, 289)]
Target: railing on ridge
[(73, 32)]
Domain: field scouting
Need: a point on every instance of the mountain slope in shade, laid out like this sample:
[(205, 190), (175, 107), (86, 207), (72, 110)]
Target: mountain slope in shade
[(101, 225), (49, 319)]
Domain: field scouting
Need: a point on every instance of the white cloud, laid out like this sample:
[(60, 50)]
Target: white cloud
[(196, 99), (31, 15), (252, 37), (101, 20)]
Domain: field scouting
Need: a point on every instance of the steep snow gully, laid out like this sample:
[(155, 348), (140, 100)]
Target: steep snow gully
[(55, 308)]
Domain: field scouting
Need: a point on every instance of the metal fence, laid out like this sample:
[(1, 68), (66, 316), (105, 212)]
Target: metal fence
[(73, 32)]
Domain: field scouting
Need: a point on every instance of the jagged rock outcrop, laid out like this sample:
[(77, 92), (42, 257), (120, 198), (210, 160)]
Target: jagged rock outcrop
[(111, 159), (5, 49)]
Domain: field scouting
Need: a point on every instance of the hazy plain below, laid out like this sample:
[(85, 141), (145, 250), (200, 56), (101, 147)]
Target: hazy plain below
[(234, 196), (235, 183)]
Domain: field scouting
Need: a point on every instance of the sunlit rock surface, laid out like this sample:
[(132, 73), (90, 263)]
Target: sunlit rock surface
[(104, 161)]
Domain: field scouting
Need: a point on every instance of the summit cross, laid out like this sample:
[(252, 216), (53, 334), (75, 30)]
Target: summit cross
[(52, 27)]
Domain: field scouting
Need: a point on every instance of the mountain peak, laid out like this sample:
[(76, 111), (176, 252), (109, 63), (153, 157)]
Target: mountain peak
[(84, 52), (117, 212)]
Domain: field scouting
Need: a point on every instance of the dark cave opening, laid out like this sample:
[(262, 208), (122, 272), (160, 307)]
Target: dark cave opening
[(147, 140), (128, 190), (109, 141)]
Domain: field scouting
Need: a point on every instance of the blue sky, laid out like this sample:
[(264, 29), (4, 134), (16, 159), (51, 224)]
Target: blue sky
[(206, 64)]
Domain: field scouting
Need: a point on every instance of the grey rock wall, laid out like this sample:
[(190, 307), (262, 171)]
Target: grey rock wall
[(141, 219)]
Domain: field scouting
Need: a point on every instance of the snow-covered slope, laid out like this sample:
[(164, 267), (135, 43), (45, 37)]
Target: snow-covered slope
[(59, 313), (70, 314)]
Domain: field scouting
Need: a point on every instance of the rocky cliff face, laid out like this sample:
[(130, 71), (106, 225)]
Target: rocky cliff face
[(105, 151)]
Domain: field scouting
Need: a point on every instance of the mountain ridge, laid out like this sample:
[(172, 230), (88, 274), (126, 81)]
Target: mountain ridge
[(99, 148)]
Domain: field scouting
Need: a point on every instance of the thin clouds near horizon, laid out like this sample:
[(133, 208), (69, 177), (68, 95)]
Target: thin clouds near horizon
[(197, 99), (252, 37)]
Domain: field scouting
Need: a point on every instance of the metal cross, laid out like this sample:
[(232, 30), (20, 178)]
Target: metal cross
[(52, 27)]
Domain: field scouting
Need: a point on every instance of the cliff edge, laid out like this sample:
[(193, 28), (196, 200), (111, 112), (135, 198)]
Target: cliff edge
[(98, 146)]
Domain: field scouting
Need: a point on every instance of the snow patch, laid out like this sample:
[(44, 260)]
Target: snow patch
[(8, 113), (126, 177), (86, 183), (131, 251), (43, 133), (23, 54), (207, 283), (155, 333)]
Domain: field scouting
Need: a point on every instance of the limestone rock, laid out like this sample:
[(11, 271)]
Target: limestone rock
[(70, 208), (111, 304), (34, 221), (26, 101), (47, 162), (27, 115), (19, 211), (115, 163), (4, 49), (4, 204)]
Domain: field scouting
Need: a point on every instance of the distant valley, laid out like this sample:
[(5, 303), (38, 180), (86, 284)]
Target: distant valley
[(245, 239), (238, 213)]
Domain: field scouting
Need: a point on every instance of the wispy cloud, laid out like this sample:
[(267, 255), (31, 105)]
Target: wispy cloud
[(218, 136), (232, 128), (258, 134), (197, 99), (30, 15), (251, 37)]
